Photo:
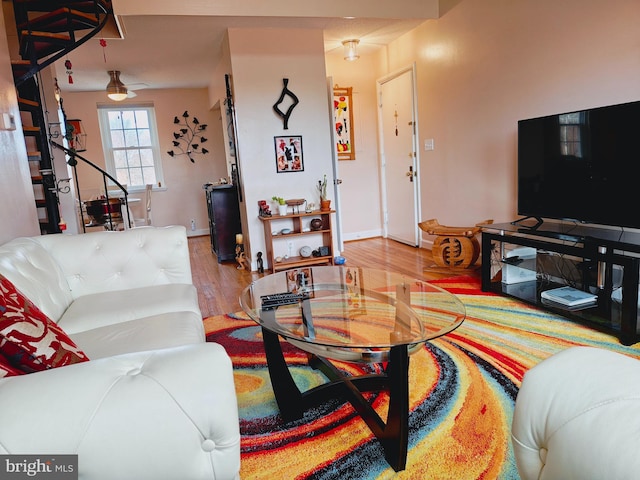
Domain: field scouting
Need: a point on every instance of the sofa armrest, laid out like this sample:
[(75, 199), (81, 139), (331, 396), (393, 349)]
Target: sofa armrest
[(576, 416), (99, 262), (168, 413)]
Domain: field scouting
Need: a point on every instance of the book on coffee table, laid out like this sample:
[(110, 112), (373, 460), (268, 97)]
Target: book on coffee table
[(569, 296)]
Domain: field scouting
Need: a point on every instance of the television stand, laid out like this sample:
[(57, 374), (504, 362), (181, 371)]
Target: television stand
[(599, 260)]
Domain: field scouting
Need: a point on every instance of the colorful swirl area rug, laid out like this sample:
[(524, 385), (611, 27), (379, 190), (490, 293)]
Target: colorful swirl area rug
[(463, 388)]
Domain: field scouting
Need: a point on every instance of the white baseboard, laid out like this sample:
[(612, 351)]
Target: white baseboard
[(361, 235), (197, 233)]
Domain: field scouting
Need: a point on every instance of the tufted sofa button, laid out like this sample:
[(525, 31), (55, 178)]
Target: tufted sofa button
[(208, 445), (543, 455)]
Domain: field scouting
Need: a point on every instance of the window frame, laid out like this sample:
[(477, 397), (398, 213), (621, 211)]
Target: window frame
[(108, 149)]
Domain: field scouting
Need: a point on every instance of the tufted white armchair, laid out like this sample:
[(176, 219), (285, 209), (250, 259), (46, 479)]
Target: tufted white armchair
[(576, 417)]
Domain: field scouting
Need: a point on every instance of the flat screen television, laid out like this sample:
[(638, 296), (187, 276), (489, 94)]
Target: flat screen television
[(582, 166)]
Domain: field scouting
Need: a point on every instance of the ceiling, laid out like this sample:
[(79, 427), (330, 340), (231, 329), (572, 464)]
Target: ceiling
[(169, 51)]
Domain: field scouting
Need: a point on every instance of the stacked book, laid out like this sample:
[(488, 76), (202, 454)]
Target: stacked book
[(570, 297)]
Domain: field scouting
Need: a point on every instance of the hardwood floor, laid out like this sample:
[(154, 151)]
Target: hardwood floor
[(219, 284)]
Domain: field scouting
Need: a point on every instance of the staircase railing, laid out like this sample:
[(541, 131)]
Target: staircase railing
[(73, 162)]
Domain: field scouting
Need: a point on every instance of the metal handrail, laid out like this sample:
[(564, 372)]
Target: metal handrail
[(73, 162)]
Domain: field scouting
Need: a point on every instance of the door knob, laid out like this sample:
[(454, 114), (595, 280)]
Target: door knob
[(411, 173)]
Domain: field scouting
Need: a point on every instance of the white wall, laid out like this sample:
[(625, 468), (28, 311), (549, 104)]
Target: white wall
[(360, 189), (484, 65), (481, 67), (260, 59), (18, 215)]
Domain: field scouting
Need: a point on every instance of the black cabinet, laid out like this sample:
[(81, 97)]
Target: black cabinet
[(224, 220)]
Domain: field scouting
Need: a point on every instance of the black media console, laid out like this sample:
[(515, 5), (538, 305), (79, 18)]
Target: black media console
[(522, 259)]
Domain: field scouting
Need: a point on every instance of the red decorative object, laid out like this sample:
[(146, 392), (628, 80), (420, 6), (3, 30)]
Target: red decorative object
[(68, 66), (103, 44), (29, 339)]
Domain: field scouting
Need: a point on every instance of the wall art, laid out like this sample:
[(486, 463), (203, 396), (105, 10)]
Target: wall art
[(289, 154), (188, 139), (292, 101), (343, 121)]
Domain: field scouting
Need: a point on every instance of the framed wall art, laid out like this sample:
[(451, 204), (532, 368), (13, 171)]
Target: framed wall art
[(343, 121), (289, 154)]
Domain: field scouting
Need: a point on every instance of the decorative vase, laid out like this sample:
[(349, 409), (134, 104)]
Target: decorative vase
[(325, 205), (282, 209)]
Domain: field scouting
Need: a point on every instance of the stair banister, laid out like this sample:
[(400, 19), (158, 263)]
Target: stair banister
[(72, 162)]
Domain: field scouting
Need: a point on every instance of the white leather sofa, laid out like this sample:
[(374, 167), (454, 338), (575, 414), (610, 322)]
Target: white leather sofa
[(155, 401), (576, 417)]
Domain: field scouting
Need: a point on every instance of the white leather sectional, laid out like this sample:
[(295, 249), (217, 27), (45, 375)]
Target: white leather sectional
[(155, 401)]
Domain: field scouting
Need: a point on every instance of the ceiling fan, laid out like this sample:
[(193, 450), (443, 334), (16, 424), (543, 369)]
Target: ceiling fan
[(118, 91)]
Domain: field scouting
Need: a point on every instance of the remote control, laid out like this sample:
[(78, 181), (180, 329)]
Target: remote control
[(285, 298)]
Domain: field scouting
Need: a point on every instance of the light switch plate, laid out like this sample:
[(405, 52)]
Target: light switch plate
[(8, 122), (428, 144)]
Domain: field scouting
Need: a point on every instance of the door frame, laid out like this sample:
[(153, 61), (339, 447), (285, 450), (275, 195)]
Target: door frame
[(416, 162), (334, 165)]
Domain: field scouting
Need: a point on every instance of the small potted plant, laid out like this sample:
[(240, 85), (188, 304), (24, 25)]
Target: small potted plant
[(282, 205), (325, 203)]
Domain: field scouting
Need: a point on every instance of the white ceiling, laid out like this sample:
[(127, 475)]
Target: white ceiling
[(181, 51)]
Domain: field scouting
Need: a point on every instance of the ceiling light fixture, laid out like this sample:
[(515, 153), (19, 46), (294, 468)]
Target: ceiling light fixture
[(116, 90), (351, 50)]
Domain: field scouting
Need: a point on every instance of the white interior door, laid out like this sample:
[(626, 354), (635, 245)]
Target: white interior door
[(399, 156)]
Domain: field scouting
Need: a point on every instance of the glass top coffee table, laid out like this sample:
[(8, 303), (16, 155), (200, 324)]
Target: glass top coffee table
[(355, 315)]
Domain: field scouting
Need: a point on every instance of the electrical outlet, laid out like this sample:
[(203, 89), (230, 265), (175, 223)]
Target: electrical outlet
[(193, 224)]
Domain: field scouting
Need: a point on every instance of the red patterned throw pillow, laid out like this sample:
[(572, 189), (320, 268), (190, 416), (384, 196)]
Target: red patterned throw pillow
[(28, 338)]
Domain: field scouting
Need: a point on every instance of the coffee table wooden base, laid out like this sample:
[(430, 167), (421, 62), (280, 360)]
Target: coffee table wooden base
[(393, 435)]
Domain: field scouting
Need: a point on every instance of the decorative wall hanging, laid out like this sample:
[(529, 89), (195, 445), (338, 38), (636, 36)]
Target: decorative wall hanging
[(76, 136), (188, 139), (294, 101), (289, 154), (343, 121), (69, 66)]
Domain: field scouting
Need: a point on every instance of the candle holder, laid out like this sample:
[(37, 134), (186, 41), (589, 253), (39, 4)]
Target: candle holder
[(241, 257)]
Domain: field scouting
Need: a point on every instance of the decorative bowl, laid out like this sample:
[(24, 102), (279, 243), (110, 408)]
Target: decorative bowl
[(316, 224)]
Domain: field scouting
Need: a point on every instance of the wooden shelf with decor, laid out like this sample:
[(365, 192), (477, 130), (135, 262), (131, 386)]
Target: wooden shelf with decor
[(296, 223)]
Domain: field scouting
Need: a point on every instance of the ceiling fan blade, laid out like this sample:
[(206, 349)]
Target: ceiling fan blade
[(137, 86)]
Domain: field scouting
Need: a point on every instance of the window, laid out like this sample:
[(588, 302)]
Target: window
[(570, 134), (130, 143)]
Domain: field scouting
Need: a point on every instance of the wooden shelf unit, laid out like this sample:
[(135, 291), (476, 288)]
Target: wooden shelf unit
[(297, 231)]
